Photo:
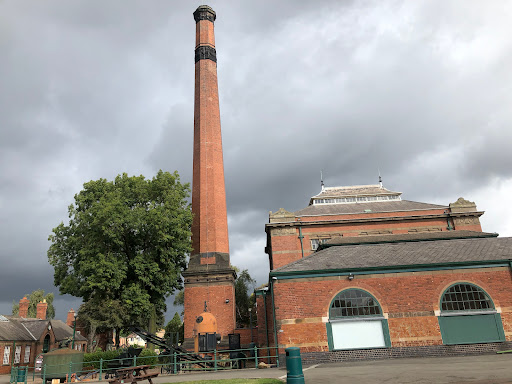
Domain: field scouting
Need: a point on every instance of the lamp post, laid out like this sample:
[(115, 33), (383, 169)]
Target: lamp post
[(74, 330), (250, 322)]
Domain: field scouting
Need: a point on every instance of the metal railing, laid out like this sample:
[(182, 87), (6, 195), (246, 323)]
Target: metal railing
[(100, 370)]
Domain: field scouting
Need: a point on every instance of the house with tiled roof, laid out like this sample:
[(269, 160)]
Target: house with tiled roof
[(362, 273), (23, 338)]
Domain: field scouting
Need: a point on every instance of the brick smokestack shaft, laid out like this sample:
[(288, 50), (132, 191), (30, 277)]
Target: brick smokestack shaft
[(210, 226), (209, 278)]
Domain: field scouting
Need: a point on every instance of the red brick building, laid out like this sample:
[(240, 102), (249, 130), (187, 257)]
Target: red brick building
[(361, 273), (23, 338)]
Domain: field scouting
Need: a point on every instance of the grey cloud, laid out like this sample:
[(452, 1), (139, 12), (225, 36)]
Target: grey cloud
[(417, 89)]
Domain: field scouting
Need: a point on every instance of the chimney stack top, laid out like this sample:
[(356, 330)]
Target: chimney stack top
[(204, 12)]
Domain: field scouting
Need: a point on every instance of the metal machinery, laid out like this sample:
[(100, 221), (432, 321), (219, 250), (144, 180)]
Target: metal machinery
[(168, 350)]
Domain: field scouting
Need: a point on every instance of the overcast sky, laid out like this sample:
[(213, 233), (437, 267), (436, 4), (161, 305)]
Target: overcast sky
[(421, 90)]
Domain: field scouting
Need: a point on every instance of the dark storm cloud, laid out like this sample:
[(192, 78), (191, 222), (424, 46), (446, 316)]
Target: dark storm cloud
[(419, 90)]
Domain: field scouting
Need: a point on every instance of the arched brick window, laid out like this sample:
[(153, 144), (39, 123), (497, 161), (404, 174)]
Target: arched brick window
[(465, 297), (356, 321), (354, 302), (468, 316)]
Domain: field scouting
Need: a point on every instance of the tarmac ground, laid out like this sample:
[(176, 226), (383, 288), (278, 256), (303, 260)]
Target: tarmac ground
[(467, 369)]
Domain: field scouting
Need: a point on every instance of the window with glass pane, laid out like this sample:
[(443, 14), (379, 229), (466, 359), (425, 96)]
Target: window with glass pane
[(17, 354), (465, 297), (27, 354), (354, 303), (7, 354)]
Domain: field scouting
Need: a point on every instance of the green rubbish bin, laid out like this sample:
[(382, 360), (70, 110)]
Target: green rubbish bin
[(22, 373), (294, 372)]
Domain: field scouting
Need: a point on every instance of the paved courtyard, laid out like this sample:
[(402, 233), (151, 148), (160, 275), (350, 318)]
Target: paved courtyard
[(470, 369)]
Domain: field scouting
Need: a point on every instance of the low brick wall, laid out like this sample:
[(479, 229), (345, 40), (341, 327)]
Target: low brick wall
[(402, 352)]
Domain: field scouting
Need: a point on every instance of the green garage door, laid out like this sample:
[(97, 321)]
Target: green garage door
[(468, 316), (471, 329)]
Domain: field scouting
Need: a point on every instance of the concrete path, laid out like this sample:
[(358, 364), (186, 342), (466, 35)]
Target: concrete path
[(470, 369)]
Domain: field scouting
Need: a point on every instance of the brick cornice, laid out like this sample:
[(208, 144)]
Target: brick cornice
[(370, 219)]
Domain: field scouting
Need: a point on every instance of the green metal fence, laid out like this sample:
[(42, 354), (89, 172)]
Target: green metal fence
[(166, 364)]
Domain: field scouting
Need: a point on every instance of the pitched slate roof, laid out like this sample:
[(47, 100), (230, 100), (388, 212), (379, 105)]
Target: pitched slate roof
[(415, 236), (63, 331), (25, 329), (13, 329), (363, 207), (361, 256)]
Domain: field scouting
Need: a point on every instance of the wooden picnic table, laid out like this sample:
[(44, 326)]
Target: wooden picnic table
[(132, 375)]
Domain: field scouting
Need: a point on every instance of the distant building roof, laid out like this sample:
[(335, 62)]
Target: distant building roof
[(355, 190), (15, 328), (417, 251), (366, 207)]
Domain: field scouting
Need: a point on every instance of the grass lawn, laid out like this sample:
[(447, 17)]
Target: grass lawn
[(235, 381)]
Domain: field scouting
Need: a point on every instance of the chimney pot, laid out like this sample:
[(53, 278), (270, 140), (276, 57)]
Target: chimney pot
[(23, 309)]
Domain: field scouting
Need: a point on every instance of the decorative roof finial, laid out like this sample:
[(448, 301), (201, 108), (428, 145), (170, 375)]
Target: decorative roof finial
[(380, 178), (322, 180)]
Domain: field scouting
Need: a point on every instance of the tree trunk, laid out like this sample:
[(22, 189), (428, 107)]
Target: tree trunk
[(90, 338), (118, 342)]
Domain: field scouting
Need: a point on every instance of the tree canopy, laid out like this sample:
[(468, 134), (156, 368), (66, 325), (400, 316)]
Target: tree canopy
[(34, 298), (244, 284), (124, 248), (173, 327)]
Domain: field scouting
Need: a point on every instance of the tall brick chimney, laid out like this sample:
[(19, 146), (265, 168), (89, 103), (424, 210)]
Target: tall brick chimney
[(70, 318), (41, 308), (23, 309), (209, 278)]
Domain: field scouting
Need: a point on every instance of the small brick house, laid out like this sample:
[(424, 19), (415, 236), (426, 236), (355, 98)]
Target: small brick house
[(381, 277), (23, 338)]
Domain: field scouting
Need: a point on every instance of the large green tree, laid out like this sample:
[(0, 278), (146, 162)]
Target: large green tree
[(124, 248), (35, 297)]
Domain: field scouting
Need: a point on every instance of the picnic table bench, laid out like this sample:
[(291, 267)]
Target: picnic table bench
[(132, 375)]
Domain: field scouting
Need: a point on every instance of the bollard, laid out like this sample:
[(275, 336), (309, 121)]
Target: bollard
[(294, 366)]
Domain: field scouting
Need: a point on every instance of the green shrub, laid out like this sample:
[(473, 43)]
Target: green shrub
[(147, 357), (93, 358)]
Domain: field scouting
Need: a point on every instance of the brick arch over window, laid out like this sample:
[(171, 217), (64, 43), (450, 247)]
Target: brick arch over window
[(356, 321), (465, 297), (354, 302), (445, 287), (468, 316), (362, 287)]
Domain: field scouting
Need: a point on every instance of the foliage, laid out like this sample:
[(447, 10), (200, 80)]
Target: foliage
[(179, 300), (175, 325), (244, 284), (34, 298), (93, 358), (147, 357), (124, 248)]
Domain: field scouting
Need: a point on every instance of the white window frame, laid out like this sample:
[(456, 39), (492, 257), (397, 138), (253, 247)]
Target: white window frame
[(7, 354), (27, 354), (315, 243), (17, 354)]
